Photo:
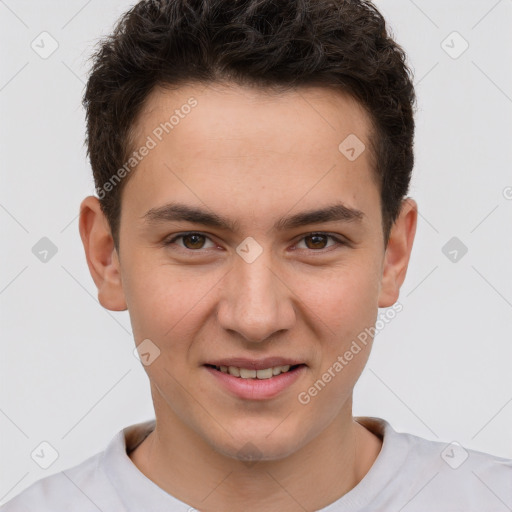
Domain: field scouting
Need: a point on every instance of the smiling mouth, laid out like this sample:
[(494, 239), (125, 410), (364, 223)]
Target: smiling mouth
[(247, 373)]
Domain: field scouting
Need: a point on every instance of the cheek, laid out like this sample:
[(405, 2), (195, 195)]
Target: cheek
[(168, 301), (165, 301), (345, 299)]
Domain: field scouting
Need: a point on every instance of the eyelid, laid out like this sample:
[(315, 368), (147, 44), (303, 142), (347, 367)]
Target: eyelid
[(173, 238), (338, 239)]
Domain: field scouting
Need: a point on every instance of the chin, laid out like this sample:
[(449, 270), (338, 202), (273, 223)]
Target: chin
[(257, 445), (252, 452)]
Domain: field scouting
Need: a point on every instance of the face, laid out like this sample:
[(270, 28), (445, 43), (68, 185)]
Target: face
[(252, 282)]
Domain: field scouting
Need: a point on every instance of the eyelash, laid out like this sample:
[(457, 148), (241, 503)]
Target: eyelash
[(339, 241)]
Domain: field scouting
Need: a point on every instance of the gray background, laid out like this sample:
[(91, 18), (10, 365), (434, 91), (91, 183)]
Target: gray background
[(440, 369)]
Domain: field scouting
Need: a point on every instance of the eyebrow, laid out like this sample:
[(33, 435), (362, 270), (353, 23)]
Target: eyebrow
[(183, 212)]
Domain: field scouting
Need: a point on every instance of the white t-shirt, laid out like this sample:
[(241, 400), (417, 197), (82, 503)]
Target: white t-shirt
[(410, 474)]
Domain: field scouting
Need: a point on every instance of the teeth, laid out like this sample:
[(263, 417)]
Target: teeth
[(246, 373), (264, 374), (233, 370)]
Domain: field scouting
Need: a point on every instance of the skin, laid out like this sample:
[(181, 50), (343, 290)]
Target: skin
[(251, 156)]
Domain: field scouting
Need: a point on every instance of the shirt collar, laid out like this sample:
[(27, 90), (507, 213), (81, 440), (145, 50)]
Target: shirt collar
[(138, 492)]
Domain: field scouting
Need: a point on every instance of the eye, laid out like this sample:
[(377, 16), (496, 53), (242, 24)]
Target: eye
[(191, 241), (195, 242), (316, 241)]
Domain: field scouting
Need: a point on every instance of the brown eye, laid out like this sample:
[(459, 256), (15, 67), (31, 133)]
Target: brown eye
[(190, 241), (317, 241), (193, 241)]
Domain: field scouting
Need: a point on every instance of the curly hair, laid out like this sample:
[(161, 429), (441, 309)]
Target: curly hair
[(340, 44)]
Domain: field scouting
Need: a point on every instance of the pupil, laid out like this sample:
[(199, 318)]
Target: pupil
[(321, 237), (188, 237)]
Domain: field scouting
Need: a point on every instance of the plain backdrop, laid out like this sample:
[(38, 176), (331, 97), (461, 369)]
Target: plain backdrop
[(440, 369)]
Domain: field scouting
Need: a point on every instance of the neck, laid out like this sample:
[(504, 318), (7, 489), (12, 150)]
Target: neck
[(319, 473)]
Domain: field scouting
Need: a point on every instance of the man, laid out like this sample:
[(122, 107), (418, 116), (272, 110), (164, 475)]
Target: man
[(252, 160)]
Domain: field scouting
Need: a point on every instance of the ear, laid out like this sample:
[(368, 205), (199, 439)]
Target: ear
[(101, 255), (398, 252)]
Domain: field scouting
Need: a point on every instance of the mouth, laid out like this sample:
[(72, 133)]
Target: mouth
[(252, 373), (243, 381)]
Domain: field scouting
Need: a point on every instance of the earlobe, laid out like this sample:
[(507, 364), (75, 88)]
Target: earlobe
[(398, 252), (101, 255)]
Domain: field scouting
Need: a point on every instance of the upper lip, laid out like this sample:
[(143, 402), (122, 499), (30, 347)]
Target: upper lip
[(255, 364)]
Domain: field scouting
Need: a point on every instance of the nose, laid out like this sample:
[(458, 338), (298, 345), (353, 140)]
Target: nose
[(257, 301)]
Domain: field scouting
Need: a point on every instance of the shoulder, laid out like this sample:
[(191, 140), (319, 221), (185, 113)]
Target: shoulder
[(451, 458), (97, 483), (467, 479), (443, 475), (81, 488)]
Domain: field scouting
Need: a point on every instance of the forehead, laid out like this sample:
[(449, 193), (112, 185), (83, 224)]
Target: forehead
[(224, 107), (223, 142)]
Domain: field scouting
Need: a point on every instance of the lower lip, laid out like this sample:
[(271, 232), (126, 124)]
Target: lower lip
[(257, 389)]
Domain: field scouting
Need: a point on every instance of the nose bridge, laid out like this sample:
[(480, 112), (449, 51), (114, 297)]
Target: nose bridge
[(256, 303)]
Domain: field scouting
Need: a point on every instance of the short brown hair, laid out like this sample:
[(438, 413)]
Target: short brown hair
[(341, 44)]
